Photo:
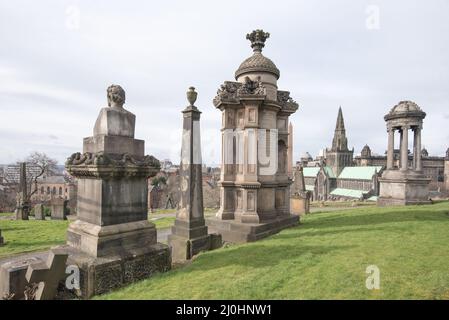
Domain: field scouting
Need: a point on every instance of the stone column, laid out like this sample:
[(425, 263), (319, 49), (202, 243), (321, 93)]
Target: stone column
[(390, 151), (189, 234), (404, 148), (23, 207), (418, 155)]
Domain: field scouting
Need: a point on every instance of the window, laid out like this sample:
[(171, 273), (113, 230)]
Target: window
[(60, 191)]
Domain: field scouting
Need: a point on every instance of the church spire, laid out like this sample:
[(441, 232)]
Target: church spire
[(340, 142)]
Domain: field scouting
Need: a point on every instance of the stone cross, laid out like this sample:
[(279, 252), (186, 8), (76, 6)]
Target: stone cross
[(48, 274)]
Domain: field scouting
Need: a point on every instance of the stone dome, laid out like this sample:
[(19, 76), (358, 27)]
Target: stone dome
[(424, 152), (257, 63), (405, 107), (366, 152)]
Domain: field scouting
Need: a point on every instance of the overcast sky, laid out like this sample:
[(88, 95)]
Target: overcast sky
[(58, 57)]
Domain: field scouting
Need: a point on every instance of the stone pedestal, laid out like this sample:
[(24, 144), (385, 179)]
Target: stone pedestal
[(39, 212), (403, 188), (189, 234), (112, 241), (58, 208)]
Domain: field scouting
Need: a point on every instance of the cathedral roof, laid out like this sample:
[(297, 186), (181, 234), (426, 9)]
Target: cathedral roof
[(257, 62)]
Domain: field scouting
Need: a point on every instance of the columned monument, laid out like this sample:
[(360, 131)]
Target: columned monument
[(189, 234), (404, 184), (112, 241), (254, 184)]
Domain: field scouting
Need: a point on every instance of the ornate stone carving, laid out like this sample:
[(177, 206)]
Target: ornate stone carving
[(116, 96), (287, 102), (227, 92), (257, 38), (250, 87)]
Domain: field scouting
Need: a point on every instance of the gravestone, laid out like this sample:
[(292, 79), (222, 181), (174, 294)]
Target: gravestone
[(189, 234), (39, 212), (112, 241), (48, 274), (22, 204), (58, 207), (1, 238), (300, 197)]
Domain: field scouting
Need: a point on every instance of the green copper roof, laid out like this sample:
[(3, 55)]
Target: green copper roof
[(329, 172), (310, 187), (311, 171), (359, 173), (350, 193)]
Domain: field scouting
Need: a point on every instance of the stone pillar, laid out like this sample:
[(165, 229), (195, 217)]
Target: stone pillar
[(290, 150), (417, 150), (189, 234), (1, 238), (404, 148), (390, 151), (23, 207)]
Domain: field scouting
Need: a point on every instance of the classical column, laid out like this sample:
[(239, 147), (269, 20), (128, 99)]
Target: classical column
[(418, 161), (404, 148), (390, 151)]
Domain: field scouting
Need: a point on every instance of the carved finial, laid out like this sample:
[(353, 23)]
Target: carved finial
[(257, 38), (116, 96), (192, 95)]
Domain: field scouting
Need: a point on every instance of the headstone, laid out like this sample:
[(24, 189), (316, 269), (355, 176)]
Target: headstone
[(300, 197), (48, 274), (22, 206), (1, 238), (189, 234), (112, 241), (39, 212), (58, 207)]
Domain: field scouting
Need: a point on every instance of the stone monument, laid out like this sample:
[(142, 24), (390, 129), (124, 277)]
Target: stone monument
[(189, 234), (300, 197), (23, 205), (446, 172), (1, 238), (58, 207), (254, 183), (405, 184), (112, 241), (39, 212)]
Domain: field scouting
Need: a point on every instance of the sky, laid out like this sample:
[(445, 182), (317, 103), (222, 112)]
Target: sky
[(58, 57)]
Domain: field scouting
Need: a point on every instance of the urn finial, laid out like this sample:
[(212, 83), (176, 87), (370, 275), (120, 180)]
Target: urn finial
[(257, 38), (191, 96)]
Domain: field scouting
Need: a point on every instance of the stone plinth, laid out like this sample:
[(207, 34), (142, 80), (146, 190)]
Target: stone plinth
[(112, 241), (403, 188), (58, 208), (39, 212)]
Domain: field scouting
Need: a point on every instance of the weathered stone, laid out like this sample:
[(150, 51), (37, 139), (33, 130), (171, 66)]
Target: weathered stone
[(39, 212), (300, 197), (23, 206), (112, 241), (189, 234), (254, 183), (1, 238), (407, 184), (48, 274), (58, 209)]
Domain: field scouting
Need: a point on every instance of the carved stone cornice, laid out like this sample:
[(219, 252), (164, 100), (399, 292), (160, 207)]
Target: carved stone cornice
[(101, 165), (287, 103), (232, 92)]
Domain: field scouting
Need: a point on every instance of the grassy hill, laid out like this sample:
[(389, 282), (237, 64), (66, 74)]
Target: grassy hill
[(324, 258)]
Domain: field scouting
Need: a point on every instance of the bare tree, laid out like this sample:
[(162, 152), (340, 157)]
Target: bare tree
[(43, 164)]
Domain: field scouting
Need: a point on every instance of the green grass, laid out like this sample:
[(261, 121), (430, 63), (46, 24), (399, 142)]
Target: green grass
[(324, 258), (33, 235)]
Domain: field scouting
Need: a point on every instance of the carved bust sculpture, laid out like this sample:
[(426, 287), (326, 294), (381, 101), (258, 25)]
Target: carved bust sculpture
[(116, 96)]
